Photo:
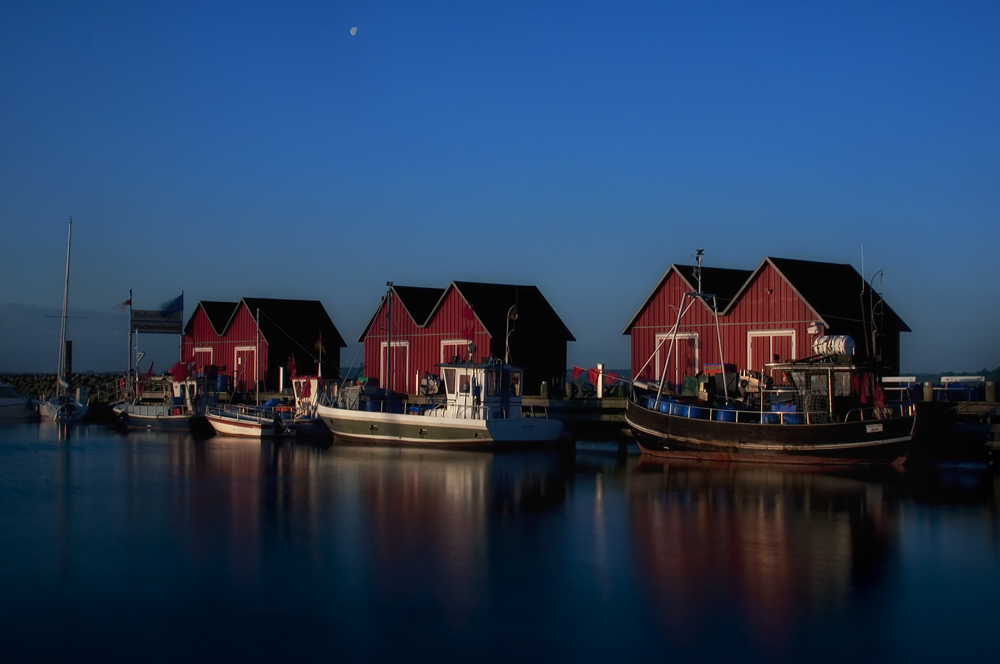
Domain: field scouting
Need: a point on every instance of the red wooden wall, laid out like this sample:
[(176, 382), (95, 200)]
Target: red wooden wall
[(419, 349), (768, 304), (242, 333)]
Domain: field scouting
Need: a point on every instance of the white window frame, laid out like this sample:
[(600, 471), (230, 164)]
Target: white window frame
[(686, 336), (454, 342), (203, 349), (770, 334), (383, 355)]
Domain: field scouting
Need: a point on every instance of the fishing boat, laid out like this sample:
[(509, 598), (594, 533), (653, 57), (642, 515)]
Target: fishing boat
[(826, 409), (481, 409), (302, 415), (164, 403), (248, 421), (63, 406), (257, 421), (14, 407)]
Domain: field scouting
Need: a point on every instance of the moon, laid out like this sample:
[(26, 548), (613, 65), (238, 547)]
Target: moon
[(354, 31)]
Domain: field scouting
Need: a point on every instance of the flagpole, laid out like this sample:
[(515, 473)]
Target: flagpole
[(128, 380), (180, 339)]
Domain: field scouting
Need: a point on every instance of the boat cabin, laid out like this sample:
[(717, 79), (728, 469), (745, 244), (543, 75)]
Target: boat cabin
[(486, 391)]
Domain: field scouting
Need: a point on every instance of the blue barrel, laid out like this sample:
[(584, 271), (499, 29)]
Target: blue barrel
[(664, 406), (725, 414), (794, 418), (222, 383), (678, 409), (770, 418)]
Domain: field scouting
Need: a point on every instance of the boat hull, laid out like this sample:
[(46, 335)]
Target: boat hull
[(62, 410), (358, 426), (18, 410), (245, 426), (156, 417), (844, 443)]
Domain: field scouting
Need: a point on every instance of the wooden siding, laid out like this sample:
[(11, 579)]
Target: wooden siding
[(242, 333), (768, 304), (454, 320)]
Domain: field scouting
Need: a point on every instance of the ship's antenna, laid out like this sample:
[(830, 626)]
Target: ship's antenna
[(697, 271)]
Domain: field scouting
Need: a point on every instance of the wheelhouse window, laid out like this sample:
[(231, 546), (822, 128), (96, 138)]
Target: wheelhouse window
[(449, 381), (492, 383), (515, 383), (463, 383)]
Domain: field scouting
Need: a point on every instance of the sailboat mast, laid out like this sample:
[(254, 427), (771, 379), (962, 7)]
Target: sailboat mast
[(129, 331), (62, 326), (256, 361)]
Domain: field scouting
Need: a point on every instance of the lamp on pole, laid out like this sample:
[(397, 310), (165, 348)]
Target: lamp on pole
[(511, 315)]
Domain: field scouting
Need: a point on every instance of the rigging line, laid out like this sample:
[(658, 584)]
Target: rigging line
[(294, 340)]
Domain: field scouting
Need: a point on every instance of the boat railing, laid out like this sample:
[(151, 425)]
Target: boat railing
[(533, 411), (245, 412), (731, 414), (887, 411)]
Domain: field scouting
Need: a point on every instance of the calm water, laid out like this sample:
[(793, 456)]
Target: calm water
[(157, 547)]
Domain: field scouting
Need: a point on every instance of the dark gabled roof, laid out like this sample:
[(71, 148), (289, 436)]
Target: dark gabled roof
[(218, 314), (300, 322), (492, 302), (723, 283), (419, 302), (833, 290)]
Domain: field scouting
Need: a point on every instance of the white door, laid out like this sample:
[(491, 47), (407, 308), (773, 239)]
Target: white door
[(394, 367), (683, 359)]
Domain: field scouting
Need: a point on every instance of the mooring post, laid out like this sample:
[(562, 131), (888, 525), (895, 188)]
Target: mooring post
[(991, 391), (928, 391)]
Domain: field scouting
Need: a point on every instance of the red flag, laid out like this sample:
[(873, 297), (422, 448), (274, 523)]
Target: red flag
[(576, 372), (592, 375), (291, 367), (610, 377), (179, 372)]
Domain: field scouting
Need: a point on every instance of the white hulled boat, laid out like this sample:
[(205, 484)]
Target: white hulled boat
[(14, 407), (482, 408)]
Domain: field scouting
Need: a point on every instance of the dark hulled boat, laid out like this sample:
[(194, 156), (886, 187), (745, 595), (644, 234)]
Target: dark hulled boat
[(873, 435), (825, 409)]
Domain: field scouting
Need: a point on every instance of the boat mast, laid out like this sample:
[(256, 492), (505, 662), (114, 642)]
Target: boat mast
[(388, 338), (61, 378), (128, 380), (256, 361)]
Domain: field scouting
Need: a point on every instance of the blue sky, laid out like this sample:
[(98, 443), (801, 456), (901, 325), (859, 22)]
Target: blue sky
[(230, 149)]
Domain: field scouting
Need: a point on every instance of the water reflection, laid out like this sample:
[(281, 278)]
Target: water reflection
[(375, 553), (765, 548)]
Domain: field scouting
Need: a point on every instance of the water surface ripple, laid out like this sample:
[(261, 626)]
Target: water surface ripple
[(157, 547)]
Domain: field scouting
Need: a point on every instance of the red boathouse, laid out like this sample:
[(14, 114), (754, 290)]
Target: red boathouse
[(415, 329), (772, 313), (225, 335)]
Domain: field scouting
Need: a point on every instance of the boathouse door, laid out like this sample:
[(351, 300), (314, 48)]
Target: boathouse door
[(245, 371), (202, 358), (394, 367), (683, 359)]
